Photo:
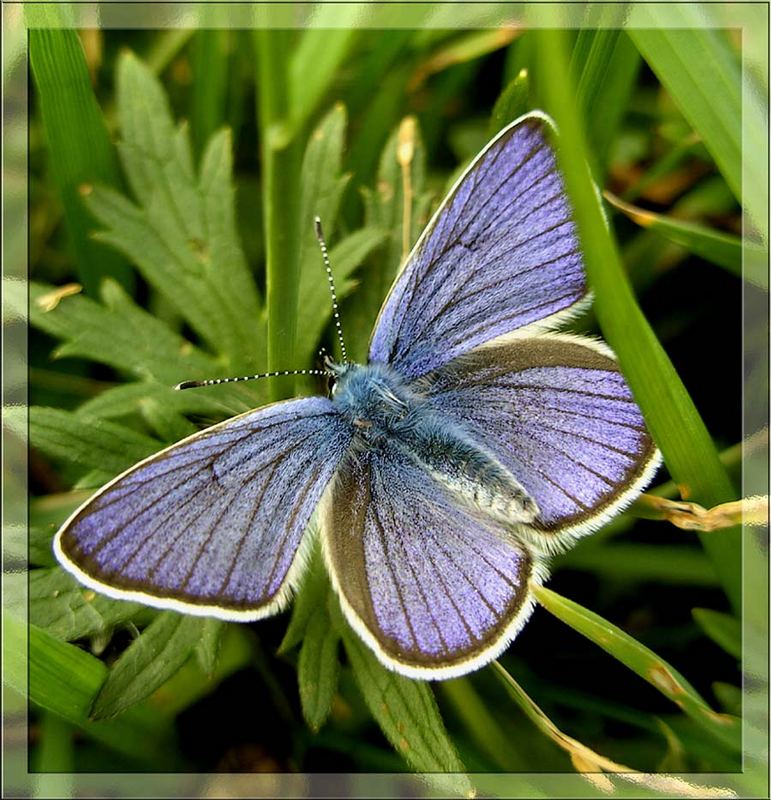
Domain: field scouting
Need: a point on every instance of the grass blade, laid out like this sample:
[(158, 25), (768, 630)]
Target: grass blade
[(79, 147), (644, 662), (717, 247), (605, 65), (209, 61), (702, 72), (723, 629), (675, 423)]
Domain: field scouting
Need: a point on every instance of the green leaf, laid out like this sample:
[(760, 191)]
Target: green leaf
[(150, 660), (675, 423), (644, 662), (701, 70), (59, 605), (605, 65), (512, 103), (317, 668), (64, 679), (207, 651), (182, 235), (311, 595), (317, 56), (87, 441), (131, 398), (79, 148), (119, 333), (406, 712), (723, 629), (717, 247)]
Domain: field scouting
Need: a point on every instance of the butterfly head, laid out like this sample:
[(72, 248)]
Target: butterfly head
[(372, 397)]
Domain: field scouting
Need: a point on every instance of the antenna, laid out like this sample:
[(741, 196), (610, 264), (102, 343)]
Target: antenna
[(327, 266), (217, 381)]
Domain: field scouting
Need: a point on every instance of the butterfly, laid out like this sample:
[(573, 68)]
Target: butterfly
[(475, 442)]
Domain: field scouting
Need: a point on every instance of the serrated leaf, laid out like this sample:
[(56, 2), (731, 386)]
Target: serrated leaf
[(88, 442), (405, 710), (317, 668), (723, 629), (59, 605), (182, 235), (119, 333), (129, 398), (321, 191), (315, 310), (207, 650), (149, 661), (167, 423)]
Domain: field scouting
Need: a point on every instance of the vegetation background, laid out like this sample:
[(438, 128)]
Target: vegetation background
[(173, 178)]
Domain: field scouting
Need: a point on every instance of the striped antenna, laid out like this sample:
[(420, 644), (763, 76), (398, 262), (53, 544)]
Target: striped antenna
[(278, 373), (328, 267)]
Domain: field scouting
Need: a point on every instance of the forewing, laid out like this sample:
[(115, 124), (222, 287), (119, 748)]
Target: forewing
[(558, 413), (501, 253), (433, 589), (211, 525)]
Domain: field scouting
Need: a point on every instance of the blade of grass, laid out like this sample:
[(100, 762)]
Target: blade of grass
[(717, 247), (281, 210), (604, 66), (700, 69), (675, 423), (661, 675), (723, 629), (79, 148)]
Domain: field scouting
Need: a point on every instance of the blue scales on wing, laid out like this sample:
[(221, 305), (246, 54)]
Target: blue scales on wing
[(501, 253), (213, 524)]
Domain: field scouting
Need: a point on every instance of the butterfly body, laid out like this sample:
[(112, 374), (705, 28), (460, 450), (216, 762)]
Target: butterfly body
[(384, 408), (440, 475)]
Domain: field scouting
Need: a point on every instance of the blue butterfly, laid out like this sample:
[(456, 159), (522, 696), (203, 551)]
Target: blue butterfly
[(443, 472)]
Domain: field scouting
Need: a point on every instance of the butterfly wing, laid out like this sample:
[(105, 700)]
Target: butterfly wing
[(558, 413), (500, 254), (211, 525), (433, 589)]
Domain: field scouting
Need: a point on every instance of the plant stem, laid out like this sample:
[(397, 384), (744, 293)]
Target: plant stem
[(280, 174)]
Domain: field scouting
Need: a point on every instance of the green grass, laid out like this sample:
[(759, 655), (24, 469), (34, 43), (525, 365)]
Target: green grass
[(177, 286)]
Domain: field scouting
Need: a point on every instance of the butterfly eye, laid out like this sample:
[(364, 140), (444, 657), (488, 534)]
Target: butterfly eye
[(331, 385)]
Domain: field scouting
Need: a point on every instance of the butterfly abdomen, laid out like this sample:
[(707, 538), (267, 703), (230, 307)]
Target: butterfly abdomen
[(381, 407), (466, 468)]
